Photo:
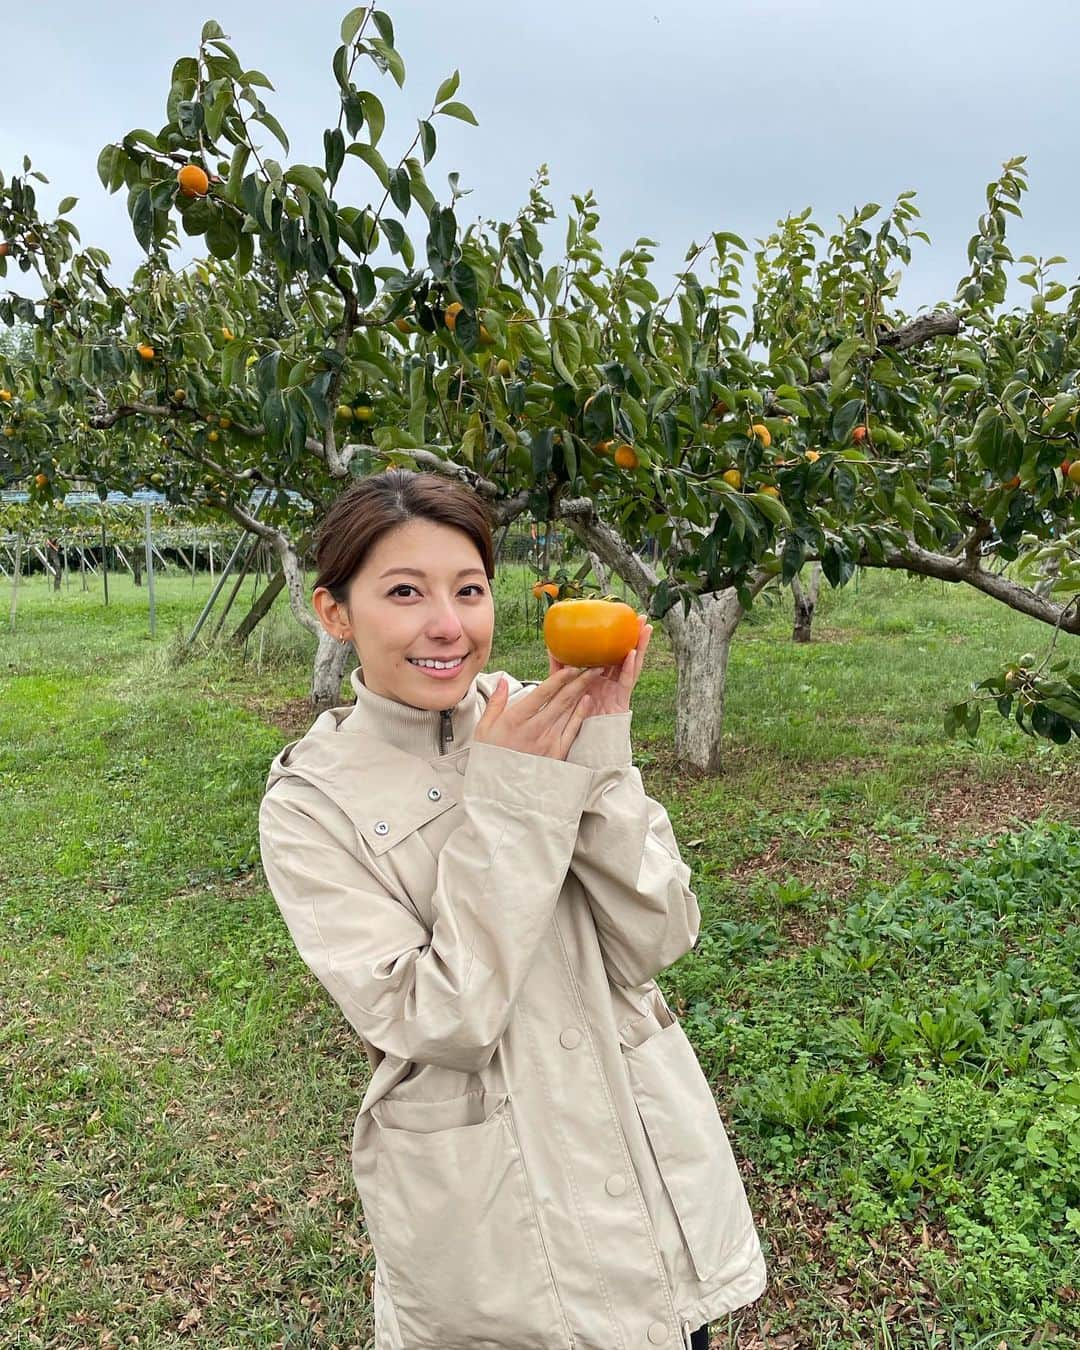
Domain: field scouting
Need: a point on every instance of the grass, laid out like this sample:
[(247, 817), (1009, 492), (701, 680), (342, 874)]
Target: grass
[(883, 992)]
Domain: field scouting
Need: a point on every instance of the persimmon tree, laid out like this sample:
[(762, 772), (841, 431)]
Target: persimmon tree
[(320, 341)]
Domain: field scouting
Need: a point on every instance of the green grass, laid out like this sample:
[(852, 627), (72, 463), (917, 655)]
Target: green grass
[(883, 992)]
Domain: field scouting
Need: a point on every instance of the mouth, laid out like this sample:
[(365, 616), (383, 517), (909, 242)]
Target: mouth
[(438, 665)]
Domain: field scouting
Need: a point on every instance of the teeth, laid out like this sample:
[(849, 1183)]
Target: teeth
[(436, 665)]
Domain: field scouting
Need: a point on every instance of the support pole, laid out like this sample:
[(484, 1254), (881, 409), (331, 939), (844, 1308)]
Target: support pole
[(149, 543), (224, 574), (124, 559), (15, 581), (105, 561)]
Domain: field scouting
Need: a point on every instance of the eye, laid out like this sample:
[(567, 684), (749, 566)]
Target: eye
[(406, 586)]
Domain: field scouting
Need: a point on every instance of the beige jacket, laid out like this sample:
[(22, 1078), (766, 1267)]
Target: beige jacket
[(539, 1156)]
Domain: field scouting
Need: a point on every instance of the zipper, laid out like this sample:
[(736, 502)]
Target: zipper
[(446, 729), (686, 1336)]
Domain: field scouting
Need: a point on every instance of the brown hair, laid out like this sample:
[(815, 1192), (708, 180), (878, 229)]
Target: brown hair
[(370, 508)]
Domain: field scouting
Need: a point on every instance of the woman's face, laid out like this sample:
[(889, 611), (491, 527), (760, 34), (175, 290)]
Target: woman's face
[(421, 594)]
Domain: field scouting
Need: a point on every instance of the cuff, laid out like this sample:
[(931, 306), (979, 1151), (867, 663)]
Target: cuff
[(553, 787), (603, 742)]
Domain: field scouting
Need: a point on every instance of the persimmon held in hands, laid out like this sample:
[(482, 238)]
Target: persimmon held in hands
[(590, 632)]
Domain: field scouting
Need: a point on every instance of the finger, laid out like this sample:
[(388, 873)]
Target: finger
[(546, 689), (565, 698), (569, 731), (495, 704)]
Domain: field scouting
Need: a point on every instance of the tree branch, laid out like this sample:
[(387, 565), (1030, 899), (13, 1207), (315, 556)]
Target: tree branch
[(923, 563), (599, 538)]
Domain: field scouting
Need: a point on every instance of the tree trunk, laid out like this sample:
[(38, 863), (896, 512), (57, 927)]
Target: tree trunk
[(805, 603), (701, 641), (600, 572), (56, 563), (330, 661), (136, 567)]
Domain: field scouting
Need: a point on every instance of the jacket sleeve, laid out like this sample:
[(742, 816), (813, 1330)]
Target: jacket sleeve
[(627, 860), (442, 996)]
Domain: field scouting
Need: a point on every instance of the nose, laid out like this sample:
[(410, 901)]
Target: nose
[(444, 624)]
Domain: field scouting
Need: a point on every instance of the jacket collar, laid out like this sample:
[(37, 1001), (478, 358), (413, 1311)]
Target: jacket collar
[(417, 731)]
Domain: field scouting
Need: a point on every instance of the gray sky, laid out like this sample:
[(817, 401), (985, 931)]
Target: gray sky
[(683, 115)]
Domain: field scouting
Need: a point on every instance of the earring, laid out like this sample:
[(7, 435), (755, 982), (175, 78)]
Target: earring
[(344, 641)]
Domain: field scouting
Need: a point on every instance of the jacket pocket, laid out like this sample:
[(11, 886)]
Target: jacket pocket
[(464, 1258), (690, 1145)]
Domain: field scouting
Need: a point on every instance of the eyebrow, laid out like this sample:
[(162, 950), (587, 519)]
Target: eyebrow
[(415, 572)]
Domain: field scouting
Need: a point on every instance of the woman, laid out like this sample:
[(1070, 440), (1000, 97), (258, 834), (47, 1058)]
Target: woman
[(471, 867)]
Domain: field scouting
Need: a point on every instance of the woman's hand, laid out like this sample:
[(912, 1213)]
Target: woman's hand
[(546, 720), (610, 693)]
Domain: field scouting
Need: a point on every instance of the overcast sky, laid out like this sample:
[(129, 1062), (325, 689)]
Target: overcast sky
[(683, 116)]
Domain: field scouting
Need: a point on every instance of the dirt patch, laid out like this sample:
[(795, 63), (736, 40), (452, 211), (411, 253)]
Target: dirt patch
[(292, 718), (882, 1281), (957, 804)]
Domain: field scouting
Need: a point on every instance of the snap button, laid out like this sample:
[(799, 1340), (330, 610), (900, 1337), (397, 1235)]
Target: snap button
[(434, 794), (658, 1333), (570, 1037), (381, 827), (615, 1185)]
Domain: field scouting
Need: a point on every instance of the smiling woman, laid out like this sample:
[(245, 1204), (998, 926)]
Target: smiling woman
[(404, 567), (471, 867)]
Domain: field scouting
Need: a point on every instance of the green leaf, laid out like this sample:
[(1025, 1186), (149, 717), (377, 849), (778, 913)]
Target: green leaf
[(212, 29), (448, 88), (303, 175), (255, 79), (354, 111), (400, 189), (1063, 404), (845, 418), (460, 111), (142, 219), (350, 24), (771, 507), (271, 123), (105, 165), (841, 359), (373, 159), (427, 140), (463, 283), (422, 194), (384, 25), (374, 115), (567, 336), (334, 150), (66, 205), (394, 64), (223, 236)]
